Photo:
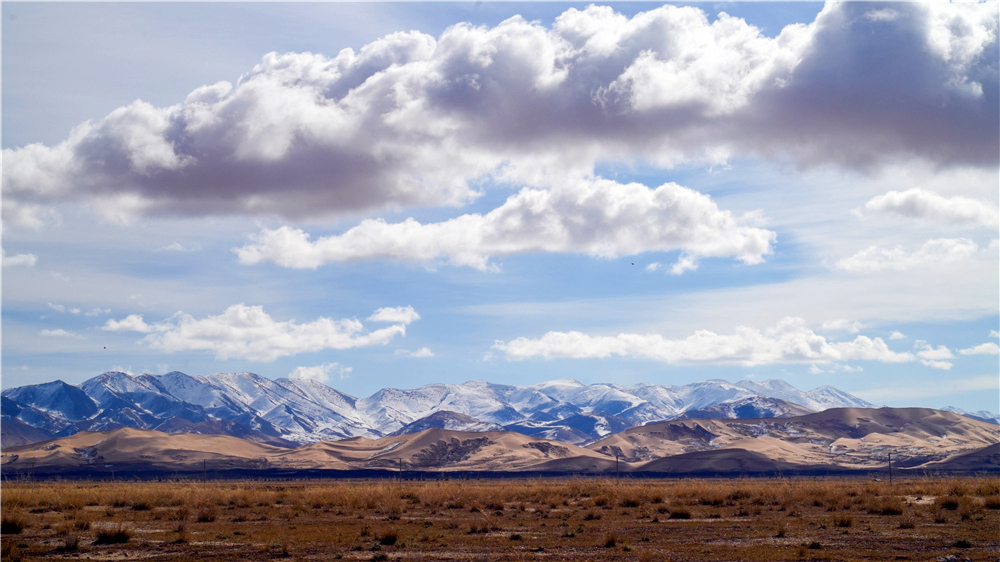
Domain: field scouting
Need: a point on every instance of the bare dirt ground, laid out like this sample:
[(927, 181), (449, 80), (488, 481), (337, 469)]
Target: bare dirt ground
[(554, 519)]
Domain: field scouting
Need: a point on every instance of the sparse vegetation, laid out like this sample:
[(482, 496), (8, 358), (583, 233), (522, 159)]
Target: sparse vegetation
[(569, 520)]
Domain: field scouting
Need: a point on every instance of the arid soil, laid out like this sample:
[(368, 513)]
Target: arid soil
[(556, 519)]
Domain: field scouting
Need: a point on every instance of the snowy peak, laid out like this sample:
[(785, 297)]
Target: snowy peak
[(981, 415), (306, 411)]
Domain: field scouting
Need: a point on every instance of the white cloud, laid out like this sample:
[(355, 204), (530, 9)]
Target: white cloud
[(19, 260), (788, 342), (897, 335), (994, 334), (949, 211), (933, 253), (882, 15), (58, 333), (402, 315), (596, 217), (988, 348), (412, 119), (131, 323), (247, 332), (97, 311), (933, 357), (835, 368), (686, 262), (655, 266), (321, 373), (844, 325), (422, 353)]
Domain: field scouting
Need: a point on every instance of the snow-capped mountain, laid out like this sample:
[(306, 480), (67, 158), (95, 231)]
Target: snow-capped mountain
[(305, 411), (982, 415)]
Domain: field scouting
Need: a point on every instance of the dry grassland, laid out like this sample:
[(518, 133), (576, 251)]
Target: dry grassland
[(476, 520)]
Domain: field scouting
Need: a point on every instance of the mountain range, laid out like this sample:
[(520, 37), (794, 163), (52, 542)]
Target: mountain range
[(288, 412), (835, 441)]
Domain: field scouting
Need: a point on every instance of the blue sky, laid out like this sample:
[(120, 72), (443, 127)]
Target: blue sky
[(634, 193)]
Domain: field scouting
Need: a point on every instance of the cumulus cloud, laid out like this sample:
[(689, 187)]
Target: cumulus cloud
[(131, 323), (994, 334), (988, 348), (597, 217), (950, 211), (790, 341), (897, 335), (412, 119), (402, 315), (321, 373), (247, 332), (934, 252), (19, 260), (933, 357)]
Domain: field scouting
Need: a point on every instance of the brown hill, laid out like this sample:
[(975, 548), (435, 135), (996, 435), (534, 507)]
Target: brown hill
[(839, 439), (853, 438), (434, 449), (442, 449), (127, 446)]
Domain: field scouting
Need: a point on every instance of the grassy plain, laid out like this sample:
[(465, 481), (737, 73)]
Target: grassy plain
[(490, 520)]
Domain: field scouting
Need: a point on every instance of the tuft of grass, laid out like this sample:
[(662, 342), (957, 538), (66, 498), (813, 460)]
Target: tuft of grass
[(12, 524), (70, 544), (680, 514), (206, 514), (515, 537), (947, 502), (119, 534), (963, 543), (388, 538), (815, 546), (610, 541)]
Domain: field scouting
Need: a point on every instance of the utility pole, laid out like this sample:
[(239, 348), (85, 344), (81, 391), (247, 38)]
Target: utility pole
[(618, 474), (401, 473)]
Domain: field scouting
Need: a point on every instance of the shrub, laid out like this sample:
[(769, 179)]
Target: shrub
[(962, 543), (12, 524), (389, 538), (206, 514), (515, 537), (680, 514), (947, 502), (610, 541), (113, 535)]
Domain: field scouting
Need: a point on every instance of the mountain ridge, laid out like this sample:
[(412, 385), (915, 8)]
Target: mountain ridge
[(837, 440), (307, 411)]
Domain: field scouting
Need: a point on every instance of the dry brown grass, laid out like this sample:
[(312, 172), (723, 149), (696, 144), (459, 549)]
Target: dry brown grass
[(558, 519)]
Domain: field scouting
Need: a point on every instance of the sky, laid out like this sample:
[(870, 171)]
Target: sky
[(397, 194)]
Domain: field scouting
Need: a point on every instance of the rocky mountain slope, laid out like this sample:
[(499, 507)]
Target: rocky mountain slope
[(835, 440), (287, 411)]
